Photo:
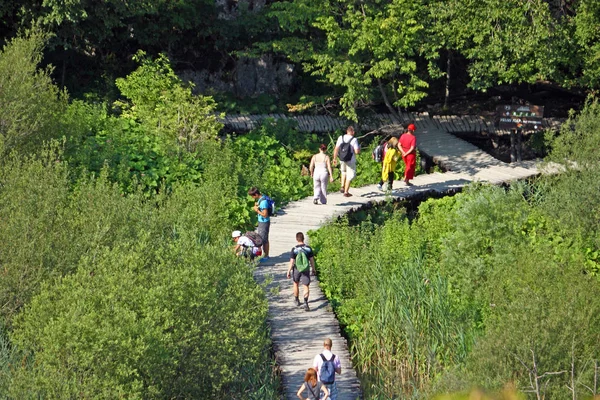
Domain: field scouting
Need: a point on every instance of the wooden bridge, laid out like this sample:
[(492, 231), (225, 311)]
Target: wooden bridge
[(298, 335), (327, 124)]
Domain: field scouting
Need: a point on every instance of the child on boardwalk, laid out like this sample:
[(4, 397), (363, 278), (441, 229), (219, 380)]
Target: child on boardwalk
[(313, 387), (389, 164), (302, 262)]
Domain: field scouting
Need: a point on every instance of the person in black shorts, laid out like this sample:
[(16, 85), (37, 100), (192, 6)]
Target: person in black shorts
[(302, 277)]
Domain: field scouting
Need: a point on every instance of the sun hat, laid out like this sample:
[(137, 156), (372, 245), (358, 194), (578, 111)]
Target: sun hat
[(411, 127), (236, 234)]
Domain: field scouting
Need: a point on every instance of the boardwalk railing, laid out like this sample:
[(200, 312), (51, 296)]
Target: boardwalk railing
[(324, 124)]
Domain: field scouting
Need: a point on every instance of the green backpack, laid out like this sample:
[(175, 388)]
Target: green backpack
[(302, 263)]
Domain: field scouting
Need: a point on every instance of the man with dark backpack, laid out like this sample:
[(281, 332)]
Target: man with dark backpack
[(327, 365), (302, 262), (346, 149)]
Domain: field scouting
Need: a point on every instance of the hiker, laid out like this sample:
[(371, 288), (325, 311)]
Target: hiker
[(392, 155), (408, 148), (320, 170), (313, 387), (264, 207), (302, 262), (346, 148), (244, 245), (327, 365)]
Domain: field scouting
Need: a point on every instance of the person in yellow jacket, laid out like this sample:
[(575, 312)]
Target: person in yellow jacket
[(392, 155)]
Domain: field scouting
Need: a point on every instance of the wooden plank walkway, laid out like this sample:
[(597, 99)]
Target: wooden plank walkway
[(298, 335), (327, 124)]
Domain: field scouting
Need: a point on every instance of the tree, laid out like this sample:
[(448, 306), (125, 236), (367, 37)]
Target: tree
[(360, 47), (160, 100), (506, 42), (30, 104)]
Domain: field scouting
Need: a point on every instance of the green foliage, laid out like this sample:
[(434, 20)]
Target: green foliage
[(265, 162), (30, 104), (397, 310), (145, 320), (121, 296), (155, 140), (586, 23), (507, 42), (160, 101), (358, 47)]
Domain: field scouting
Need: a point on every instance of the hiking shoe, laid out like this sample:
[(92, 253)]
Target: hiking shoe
[(380, 187), (264, 259), (315, 201), (306, 307), (297, 301)]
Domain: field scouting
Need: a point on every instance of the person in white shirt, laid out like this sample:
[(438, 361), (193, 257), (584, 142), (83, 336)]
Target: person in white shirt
[(348, 166), (327, 366), (244, 246)]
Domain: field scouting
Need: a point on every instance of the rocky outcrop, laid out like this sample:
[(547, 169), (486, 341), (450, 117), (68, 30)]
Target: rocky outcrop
[(249, 78)]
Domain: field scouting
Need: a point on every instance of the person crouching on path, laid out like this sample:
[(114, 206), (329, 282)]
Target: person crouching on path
[(302, 262), (244, 246), (320, 170), (261, 207), (313, 387), (347, 148), (389, 164), (408, 147), (327, 366)]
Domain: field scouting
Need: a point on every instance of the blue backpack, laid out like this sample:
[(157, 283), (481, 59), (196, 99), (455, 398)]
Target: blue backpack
[(270, 204), (327, 370)]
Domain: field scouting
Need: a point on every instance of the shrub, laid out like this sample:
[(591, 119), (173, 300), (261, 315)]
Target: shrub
[(30, 104)]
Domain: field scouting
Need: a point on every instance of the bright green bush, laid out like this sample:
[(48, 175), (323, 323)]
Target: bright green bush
[(123, 295), (145, 319), (30, 104)]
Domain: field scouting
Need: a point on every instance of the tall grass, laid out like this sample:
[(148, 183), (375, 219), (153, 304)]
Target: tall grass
[(403, 327)]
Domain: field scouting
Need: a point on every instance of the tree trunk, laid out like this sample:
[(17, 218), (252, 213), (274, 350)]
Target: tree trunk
[(63, 74), (448, 77), (395, 117)]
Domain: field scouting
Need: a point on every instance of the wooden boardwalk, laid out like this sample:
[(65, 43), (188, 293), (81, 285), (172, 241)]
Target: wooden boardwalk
[(298, 335), (327, 124)]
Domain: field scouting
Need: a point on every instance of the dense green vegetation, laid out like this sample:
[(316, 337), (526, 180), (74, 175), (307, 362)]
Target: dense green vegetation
[(347, 55), (489, 287), (117, 280), (117, 199)]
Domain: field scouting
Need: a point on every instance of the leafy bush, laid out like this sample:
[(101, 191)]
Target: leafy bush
[(30, 104), (145, 320), (123, 296)]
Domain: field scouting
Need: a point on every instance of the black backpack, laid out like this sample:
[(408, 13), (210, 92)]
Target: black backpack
[(255, 237), (346, 150)]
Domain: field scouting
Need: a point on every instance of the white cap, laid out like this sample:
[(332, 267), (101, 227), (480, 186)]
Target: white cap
[(235, 234)]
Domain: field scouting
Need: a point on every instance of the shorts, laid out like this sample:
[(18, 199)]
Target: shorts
[(263, 231), (348, 169), (301, 277)]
